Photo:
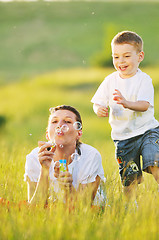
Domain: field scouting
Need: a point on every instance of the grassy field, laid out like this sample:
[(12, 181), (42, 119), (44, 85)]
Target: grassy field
[(38, 37), (25, 106)]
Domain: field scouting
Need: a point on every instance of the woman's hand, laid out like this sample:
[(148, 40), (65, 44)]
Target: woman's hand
[(45, 156), (65, 179)]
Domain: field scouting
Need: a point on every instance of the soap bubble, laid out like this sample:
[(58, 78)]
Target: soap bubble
[(57, 130), (75, 156), (77, 126), (64, 128)]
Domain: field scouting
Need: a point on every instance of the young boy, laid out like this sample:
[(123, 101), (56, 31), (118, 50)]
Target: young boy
[(129, 94)]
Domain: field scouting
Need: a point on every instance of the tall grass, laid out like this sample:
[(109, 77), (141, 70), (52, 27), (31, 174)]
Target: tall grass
[(25, 106)]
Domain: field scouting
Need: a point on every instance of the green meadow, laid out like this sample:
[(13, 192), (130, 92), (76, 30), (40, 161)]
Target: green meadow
[(50, 71), (26, 108)]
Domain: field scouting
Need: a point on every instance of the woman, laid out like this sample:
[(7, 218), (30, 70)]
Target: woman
[(84, 169)]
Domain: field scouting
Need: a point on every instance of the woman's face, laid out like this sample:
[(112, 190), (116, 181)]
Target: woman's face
[(56, 134)]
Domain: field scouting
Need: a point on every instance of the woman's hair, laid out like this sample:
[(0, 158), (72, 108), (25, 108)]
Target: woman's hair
[(71, 109)]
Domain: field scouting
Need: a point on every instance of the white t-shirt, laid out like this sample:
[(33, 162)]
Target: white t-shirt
[(84, 170), (127, 123)]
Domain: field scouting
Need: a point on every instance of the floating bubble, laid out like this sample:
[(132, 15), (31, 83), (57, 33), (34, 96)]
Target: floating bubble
[(57, 130), (75, 156), (77, 126), (61, 145), (64, 128)]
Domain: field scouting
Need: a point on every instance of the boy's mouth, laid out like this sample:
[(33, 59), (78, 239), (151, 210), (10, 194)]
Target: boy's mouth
[(123, 68)]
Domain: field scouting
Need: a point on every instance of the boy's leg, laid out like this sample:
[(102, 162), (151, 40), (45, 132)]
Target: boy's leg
[(128, 158), (150, 152), (130, 191), (155, 172)]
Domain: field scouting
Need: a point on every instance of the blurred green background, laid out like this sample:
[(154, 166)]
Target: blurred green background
[(37, 37)]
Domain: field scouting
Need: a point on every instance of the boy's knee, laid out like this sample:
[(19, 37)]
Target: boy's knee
[(155, 172), (131, 174)]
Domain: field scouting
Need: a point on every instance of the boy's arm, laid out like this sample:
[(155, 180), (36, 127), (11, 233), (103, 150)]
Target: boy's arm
[(140, 106), (100, 110)]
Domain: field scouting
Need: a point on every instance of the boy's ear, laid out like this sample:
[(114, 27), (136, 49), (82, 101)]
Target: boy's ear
[(141, 56)]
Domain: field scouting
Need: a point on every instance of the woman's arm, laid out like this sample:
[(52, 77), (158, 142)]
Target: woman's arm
[(90, 188), (31, 186), (38, 193)]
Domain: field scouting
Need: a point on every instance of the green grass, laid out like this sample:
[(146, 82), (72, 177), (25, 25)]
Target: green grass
[(25, 106), (38, 37)]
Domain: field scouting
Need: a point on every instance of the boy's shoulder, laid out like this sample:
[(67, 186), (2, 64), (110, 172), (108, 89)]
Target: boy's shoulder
[(143, 74), (115, 75), (110, 77)]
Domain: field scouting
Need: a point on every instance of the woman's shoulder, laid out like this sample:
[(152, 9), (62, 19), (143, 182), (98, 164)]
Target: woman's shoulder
[(88, 149), (33, 154)]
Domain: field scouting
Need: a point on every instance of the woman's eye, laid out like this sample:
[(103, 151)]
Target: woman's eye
[(67, 121), (127, 56), (54, 121)]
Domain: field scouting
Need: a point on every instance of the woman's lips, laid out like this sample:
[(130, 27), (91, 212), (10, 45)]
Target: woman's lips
[(60, 134)]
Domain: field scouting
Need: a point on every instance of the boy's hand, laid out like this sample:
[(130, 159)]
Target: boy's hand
[(118, 97), (139, 106), (102, 111)]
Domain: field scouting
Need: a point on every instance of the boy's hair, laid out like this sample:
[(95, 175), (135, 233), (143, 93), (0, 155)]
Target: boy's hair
[(129, 37)]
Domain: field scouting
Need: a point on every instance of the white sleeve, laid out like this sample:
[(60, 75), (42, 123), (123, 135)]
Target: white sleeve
[(146, 90), (32, 166), (101, 95), (92, 169)]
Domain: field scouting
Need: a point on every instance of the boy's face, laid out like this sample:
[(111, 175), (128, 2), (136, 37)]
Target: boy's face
[(126, 59)]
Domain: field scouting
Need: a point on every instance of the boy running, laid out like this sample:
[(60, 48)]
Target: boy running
[(129, 93)]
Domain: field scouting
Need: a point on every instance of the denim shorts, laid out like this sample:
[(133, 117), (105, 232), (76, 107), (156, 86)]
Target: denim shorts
[(129, 151)]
